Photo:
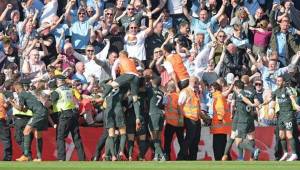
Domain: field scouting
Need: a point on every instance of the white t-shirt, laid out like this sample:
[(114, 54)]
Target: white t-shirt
[(175, 6), (135, 46)]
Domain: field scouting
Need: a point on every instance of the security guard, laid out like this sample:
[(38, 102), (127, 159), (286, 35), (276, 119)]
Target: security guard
[(189, 102), (63, 99), (174, 121), (5, 136)]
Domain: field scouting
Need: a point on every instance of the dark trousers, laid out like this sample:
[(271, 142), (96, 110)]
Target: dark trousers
[(68, 122), (183, 84), (168, 136), (20, 123), (219, 144), (5, 138), (192, 138), (100, 144)]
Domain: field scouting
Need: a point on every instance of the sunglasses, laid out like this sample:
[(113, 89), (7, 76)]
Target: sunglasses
[(110, 14), (258, 84), (90, 11), (130, 9), (133, 27), (90, 50), (81, 13)]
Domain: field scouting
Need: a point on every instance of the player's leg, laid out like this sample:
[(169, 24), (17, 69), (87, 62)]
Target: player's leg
[(122, 143), (283, 141), (130, 145), (39, 145), (238, 141), (100, 145), (109, 145), (229, 144), (290, 138), (27, 131)]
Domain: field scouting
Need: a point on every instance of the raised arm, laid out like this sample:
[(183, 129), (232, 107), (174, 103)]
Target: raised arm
[(185, 10), (221, 10), (159, 7), (3, 15), (68, 10), (97, 14), (149, 30)]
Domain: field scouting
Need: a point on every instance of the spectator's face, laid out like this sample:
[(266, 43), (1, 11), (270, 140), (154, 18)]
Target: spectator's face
[(272, 65), (221, 37), (159, 27), (199, 38), (184, 29), (259, 13), (231, 49), (16, 18), (115, 29), (109, 15), (284, 24), (223, 21), (279, 81), (112, 57), (133, 28), (80, 68), (130, 10), (120, 3), (34, 56), (29, 27), (203, 15), (90, 51), (258, 85), (166, 16), (288, 4), (45, 32), (90, 11), (81, 15), (243, 14), (212, 3), (210, 65), (69, 51)]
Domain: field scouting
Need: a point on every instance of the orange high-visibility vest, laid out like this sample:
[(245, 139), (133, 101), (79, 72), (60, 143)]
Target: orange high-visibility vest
[(172, 116), (2, 107), (191, 107), (127, 65), (178, 66), (221, 111)]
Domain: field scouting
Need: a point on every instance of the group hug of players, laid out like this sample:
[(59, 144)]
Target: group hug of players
[(136, 108)]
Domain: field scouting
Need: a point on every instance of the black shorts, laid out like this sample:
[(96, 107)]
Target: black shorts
[(156, 122), (39, 123), (130, 79)]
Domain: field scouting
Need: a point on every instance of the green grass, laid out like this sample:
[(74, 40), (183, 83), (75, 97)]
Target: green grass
[(196, 165)]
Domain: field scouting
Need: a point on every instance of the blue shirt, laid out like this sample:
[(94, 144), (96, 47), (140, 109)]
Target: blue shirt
[(80, 77), (252, 7), (199, 26), (270, 79), (281, 46), (80, 34)]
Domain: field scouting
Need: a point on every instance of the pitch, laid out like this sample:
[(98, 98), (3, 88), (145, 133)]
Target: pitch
[(182, 165)]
